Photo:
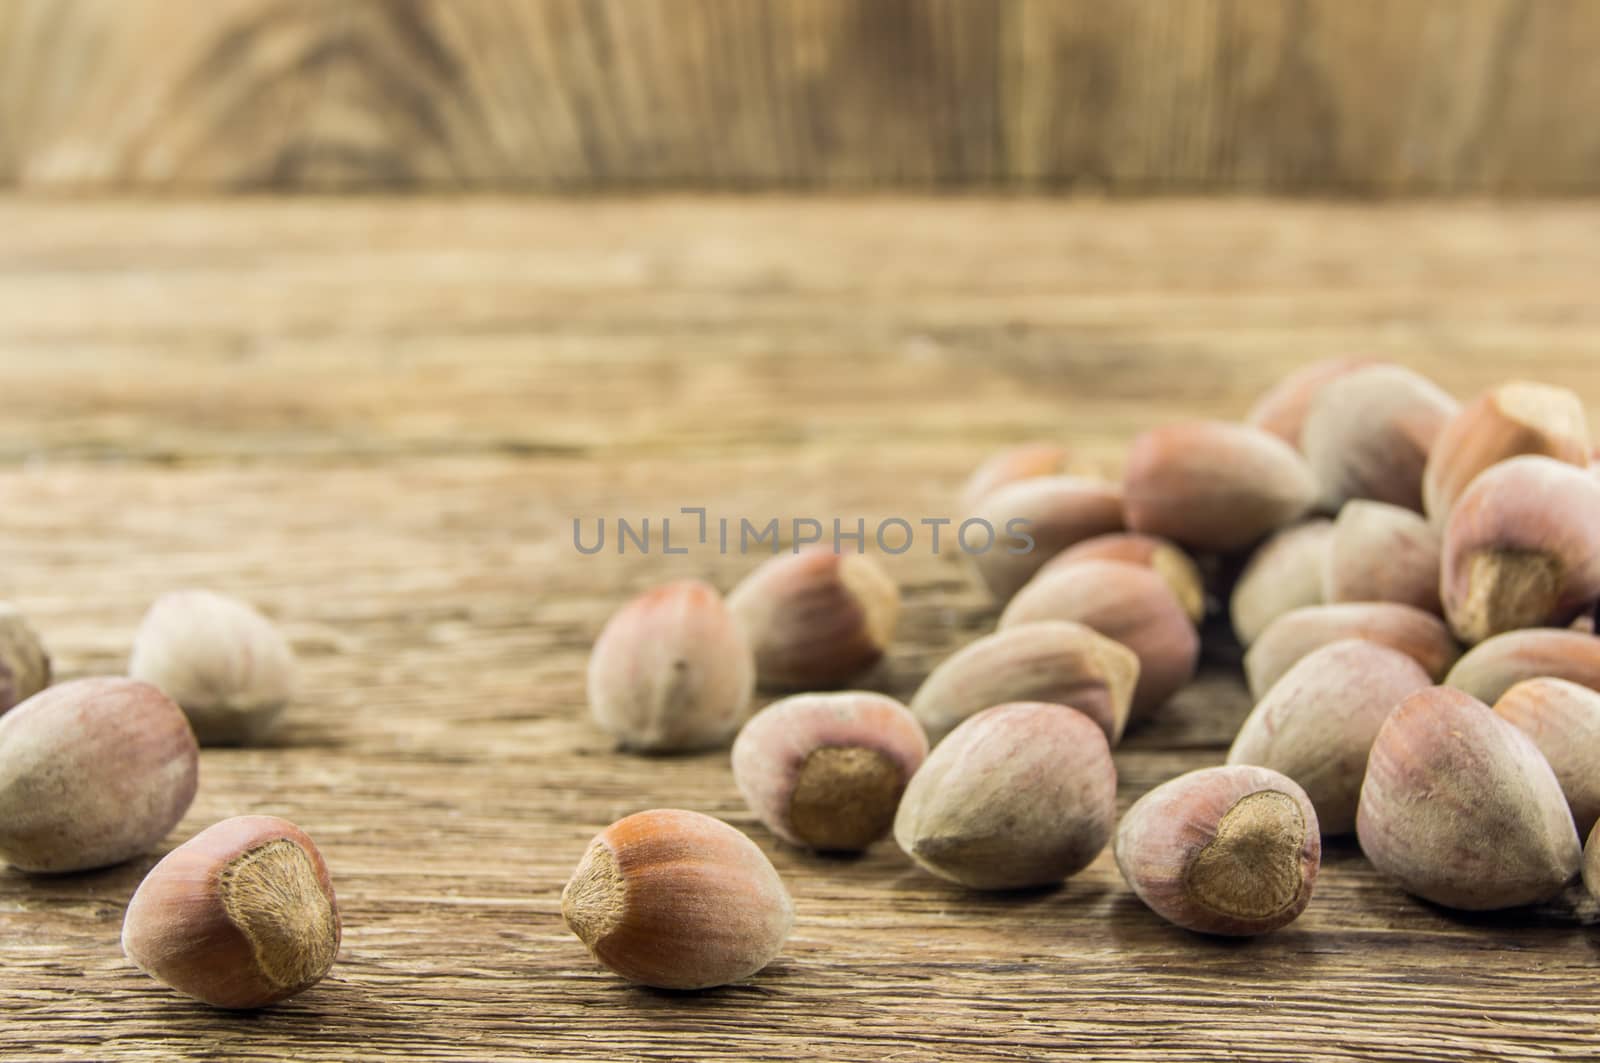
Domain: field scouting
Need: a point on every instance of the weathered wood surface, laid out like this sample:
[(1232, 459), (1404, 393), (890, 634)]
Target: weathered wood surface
[(1326, 96), (379, 419)]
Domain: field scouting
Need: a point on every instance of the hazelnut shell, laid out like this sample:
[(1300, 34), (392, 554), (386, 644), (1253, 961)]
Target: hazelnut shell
[(1495, 665), (1563, 720), (1166, 559), (1369, 433), (1382, 553), (1283, 408), (24, 664), (1420, 635), (1058, 511), (1284, 573), (1022, 462)]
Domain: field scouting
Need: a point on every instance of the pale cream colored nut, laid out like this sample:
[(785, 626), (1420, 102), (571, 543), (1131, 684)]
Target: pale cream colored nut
[(1461, 808), (1369, 433), (1421, 636), (1317, 724), (1515, 418), (1167, 559), (1283, 574), (1051, 512), (1019, 795), (1282, 410), (1124, 602), (816, 619), (671, 671), (242, 915), (1591, 863), (826, 771), (1214, 486), (1563, 719), (1053, 661), (1495, 665), (1382, 553), (1232, 850), (225, 663), (1521, 549), (92, 772), (677, 900), (24, 665), (1023, 462)]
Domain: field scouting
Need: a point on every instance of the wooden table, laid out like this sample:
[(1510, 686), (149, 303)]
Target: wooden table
[(379, 419)]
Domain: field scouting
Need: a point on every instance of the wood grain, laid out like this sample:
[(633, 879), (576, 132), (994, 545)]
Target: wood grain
[(378, 420), (1358, 96)]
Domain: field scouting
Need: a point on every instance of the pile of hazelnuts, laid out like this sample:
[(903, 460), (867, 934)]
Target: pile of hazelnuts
[(1413, 580)]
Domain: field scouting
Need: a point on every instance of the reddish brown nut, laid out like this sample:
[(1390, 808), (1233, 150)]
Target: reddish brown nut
[(1231, 850), (1214, 486), (1369, 433), (1317, 724), (1166, 559), (1284, 573), (24, 665), (1515, 418), (242, 915), (1050, 512), (1521, 549), (1282, 410), (1382, 553), (816, 619), (1421, 636), (1054, 661), (1124, 602), (92, 773), (1019, 795), (1462, 809), (1495, 665), (826, 771), (1023, 462), (671, 671), (677, 900), (1563, 719)]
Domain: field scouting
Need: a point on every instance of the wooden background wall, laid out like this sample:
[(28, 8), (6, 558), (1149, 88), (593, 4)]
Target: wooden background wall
[(1314, 96)]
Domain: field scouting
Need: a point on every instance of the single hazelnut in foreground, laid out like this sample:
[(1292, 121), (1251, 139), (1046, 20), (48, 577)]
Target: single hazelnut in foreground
[(1284, 573), (92, 772), (1461, 808), (677, 900), (671, 671), (1022, 462), (1054, 661), (1369, 433), (1231, 850), (826, 771), (1317, 724), (1214, 486), (816, 619), (1422, 636), (1124, 602), (1165, 559), (1495, 665), (24, 665), (1521, 549), (225, 663), (1382, 553), (1019, 795), (1563, 719), (1283, 408), (242, 915), (1053, 512)]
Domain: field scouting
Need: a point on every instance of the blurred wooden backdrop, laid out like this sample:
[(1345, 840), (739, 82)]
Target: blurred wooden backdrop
[(1315, 96)]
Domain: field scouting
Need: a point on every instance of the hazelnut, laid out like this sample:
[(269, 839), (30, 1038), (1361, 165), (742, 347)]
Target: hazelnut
[(242, 915), (1421, 636), (1563, 719), (1495, 665), (671, 671), (24, 665), (677, 900), (1232, 850), (1521, 549), (826, 771), (225, 663), (816, 619), (92, 772), (1283, 408), (1022, 462), (1214, 486), (1317, 724), (1284, 573), (1164, 558), (1462, 809), (1382, 553), (1515, 418), (1591, 863), (1053, 661), (1054, 511), (1019, 795), (1124, 602), (1369, 433)]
